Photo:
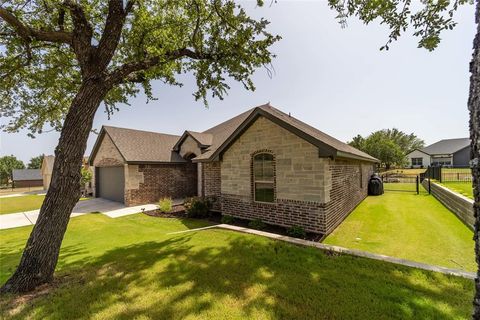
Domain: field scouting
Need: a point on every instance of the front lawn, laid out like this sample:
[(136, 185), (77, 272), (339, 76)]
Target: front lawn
[(464, 188), (20, 203), (130, 268), (409, 226), (407, 171)]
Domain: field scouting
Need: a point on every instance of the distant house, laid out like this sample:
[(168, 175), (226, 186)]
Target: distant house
[(262, 164), (47, 169), (24, 178), (447, 152)]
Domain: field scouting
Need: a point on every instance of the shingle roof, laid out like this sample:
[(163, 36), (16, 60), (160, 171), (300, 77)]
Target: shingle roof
[(143, 146), (446, 146), (26, 174), (224, 131), (205, 139)]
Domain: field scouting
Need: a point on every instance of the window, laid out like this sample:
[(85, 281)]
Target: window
[(417, 161), (263, 177)]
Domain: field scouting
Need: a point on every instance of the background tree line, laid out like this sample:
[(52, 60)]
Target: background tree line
[(390, 146)]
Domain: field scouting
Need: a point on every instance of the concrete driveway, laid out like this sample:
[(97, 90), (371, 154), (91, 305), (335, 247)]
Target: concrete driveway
[(109, 208)]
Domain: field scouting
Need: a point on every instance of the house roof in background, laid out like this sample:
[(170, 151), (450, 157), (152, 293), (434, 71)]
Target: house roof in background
[(26, 174), (446, 146), (141, 146)]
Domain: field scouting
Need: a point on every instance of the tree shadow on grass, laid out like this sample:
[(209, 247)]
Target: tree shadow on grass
[(222, 274)]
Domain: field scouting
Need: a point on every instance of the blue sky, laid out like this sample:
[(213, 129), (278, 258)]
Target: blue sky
[(332, 78)]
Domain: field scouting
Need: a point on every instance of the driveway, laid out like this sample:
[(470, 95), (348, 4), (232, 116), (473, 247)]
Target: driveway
[(97, 205)]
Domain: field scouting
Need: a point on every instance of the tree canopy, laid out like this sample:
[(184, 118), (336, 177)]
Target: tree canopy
[(36, 162), (7, 164), (46, 48), (390, 146)]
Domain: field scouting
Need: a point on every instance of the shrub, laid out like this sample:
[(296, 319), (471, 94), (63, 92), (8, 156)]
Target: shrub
[(165, 205), (297, 232), (197, 207), (228, 219), (256, 224)]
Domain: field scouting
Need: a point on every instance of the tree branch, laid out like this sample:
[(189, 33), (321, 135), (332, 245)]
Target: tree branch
[(122, 73), (28, 34)]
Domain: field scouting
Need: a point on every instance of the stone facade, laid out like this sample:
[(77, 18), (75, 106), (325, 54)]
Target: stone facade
[(312, 192), (107, 154), (147, 183), (189, 147), (457, 203)]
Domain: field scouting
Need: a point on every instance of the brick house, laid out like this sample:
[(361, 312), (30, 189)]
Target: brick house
[(261, 164)]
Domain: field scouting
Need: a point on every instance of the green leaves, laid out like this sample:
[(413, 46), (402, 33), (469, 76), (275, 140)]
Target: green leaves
[(428, 18), (214, 40)]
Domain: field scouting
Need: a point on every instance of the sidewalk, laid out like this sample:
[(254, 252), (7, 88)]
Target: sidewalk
[(109, 208)]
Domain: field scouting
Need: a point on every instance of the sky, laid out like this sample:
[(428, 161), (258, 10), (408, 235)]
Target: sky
[(335, 79)]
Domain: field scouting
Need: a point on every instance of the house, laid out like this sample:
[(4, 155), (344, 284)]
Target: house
[(26, 178), (447, 152), (47, 169), (261, 164)]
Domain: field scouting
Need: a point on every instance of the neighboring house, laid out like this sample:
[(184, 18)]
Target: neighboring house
[(24, 178), (47, 169), (448, 152), (261, 164)]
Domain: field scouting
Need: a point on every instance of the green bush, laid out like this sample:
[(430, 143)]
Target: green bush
[(256, 224), (197, 207), (228, 219), (165, 205), (297, 232)]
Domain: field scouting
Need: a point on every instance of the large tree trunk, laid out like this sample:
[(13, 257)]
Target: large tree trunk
[(474, 108), (42, 249)]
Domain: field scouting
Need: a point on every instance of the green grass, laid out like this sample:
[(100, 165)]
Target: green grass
[(410, 172), (409, 226), (20, 203), (464, 188), (129, 268)]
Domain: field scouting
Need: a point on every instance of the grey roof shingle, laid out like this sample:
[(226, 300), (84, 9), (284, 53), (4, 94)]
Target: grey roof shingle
[(447, 146), (224, 130), (26, 174), (144, 146)]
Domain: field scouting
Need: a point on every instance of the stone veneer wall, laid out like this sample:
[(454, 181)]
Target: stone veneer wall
[(149, 182), (189, 146), (107, 154), (212, 183), (312, 192), (460, 205)]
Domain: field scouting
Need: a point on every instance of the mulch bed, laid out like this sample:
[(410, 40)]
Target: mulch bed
[(216, 217)]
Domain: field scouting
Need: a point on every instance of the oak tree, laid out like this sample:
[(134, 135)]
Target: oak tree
[(61, 60)]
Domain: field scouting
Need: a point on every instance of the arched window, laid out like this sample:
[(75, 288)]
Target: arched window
[(263, 177)]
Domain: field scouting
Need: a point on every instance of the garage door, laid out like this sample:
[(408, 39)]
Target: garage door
[(111, 183)]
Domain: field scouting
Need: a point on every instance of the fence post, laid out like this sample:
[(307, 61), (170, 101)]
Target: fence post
[(440, 169), (417, 182), (429, 186)]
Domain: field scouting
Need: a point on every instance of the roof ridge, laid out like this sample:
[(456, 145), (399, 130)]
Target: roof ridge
[(155, 132)]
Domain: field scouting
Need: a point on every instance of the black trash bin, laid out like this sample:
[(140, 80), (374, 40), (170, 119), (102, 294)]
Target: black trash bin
[(375, 185)]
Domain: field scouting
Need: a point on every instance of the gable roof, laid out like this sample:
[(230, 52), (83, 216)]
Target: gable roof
[(226, 133), (138, 146), (447, 146), (26, 174)]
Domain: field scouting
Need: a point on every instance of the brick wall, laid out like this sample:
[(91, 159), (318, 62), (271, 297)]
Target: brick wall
[(149, 183), (211, 185), (309, 215), (457, 203), (349, 186)]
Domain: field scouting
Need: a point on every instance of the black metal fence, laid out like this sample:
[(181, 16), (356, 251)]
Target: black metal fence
[(401, 182), (448, 174)]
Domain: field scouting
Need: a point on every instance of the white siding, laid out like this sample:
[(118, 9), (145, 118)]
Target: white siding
[(418, 154)]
